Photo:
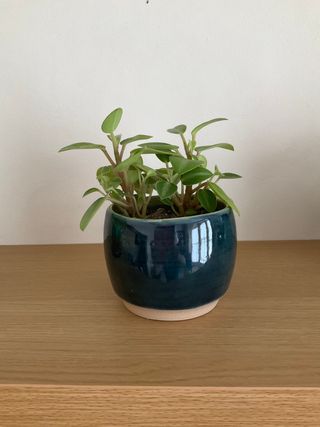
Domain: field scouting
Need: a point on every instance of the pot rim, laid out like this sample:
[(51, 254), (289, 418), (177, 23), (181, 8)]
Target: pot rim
[(179, 219)]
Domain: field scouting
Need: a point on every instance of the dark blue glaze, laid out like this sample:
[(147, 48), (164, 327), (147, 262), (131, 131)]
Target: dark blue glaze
[(173, 263)]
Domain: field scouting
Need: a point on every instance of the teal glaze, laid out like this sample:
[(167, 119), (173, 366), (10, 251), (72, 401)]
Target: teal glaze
[(170, 264)]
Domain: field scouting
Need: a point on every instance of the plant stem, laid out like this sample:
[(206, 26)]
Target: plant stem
[(187, 196), (169, 171), (174, 210), (185, 144), (117, 202), (203, 184), (105, 152), (128, 192), (123, 147), (136, 207), (125, 213), (182, 190), (179, 204), (145, 207), (115, 148)]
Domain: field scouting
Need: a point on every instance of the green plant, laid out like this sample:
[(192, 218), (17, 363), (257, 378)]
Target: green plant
[(129, 184)]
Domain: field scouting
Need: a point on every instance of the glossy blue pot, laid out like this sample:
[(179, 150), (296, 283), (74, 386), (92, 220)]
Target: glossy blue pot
[(170, 269)]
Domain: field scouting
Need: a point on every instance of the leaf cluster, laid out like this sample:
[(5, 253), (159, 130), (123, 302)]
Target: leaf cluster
[(184, 184)]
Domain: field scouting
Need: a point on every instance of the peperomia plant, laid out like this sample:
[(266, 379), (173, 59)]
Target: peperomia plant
[(185, 186)]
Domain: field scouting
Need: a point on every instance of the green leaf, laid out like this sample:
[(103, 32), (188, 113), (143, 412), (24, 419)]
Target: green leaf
[(161, 146), (208, 147), (111, 122), (150, 185), (192, 145), (90, 212), (202, 159), (124, 165), (175, 178), (165, 189), (195, 176), (223, 196), (163, 172), (107, 178), (163, 157), (207, 200), (133, 176), (156, 151), (117, 194), (181, 165), (202, 125), (117, 138), (178, 130), (217, 171), (136, 151), (167, 202), (110, 183), (135, 138), (104, 170), (82, 146), (229, 175), (149, 172), (92, 190)]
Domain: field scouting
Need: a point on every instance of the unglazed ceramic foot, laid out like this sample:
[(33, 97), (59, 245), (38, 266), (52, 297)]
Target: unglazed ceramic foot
[(170, 315)]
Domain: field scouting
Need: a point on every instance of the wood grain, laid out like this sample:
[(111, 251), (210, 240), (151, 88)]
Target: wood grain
[(71, 355), (68, 406), (61, 323)]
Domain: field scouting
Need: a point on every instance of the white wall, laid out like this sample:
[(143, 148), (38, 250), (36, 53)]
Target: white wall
[(66, 64)]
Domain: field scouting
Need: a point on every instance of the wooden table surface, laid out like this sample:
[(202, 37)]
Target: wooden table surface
[(70, 354)]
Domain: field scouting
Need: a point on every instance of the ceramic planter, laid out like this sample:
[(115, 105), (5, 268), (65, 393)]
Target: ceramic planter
[(170, 269)]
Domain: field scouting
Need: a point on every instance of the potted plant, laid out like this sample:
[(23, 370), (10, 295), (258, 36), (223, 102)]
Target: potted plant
[(169, 234)]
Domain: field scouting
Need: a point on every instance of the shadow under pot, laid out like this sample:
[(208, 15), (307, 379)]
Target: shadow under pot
[(170, 269)]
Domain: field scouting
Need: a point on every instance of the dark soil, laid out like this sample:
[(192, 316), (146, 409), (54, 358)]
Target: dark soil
[(161, 213), (164, 212)]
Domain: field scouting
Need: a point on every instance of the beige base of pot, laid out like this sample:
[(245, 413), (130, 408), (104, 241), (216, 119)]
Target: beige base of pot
[(170, 315)]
